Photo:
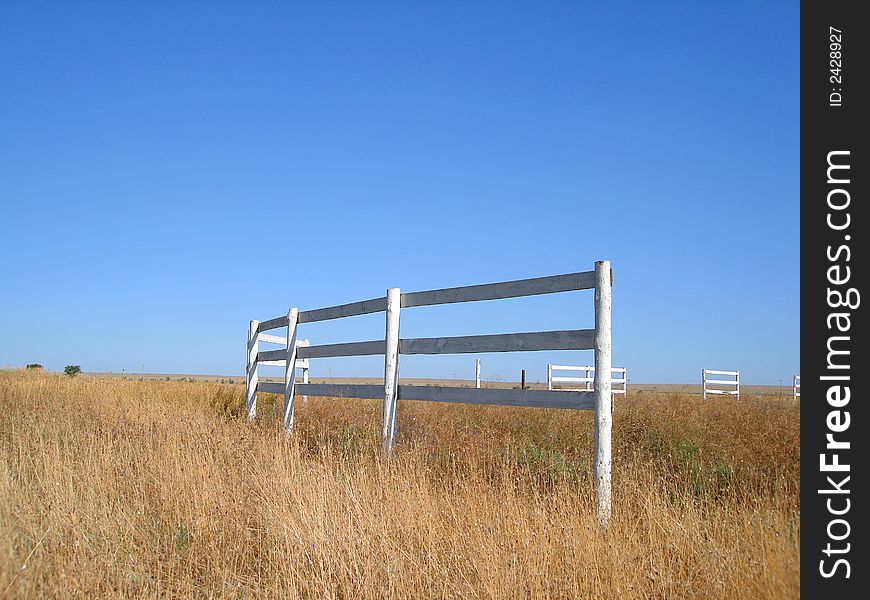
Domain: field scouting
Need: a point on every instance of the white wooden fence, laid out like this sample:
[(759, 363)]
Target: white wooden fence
[(714, 386), (619, 383), (597, 339), (301, 363), (796, 387)]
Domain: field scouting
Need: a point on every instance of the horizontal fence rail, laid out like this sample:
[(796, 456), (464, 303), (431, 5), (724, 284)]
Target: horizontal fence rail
[(345, 349), (471, 293), (578, 339), (577, 400), (732, 384), (619, 382), (500, 291), (596, 396)]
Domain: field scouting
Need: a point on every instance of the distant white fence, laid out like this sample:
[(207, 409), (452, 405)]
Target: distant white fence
[(729, 387), (796, 387), (619, 383), (597, 339)]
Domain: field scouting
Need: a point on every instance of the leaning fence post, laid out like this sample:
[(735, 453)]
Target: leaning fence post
[(391, 368), (251, 369), (602, 386), (290, 369)]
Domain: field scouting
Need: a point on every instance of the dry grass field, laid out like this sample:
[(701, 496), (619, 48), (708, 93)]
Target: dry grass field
[(112, 487)]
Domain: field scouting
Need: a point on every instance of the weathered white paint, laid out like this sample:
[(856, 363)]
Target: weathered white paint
[(486, 396), (499, 397), (796, 387), (273, 323), (343, 310), (391, 368), (472, 293), (272, 339), (344, 349), (318, 389), (477, 373), (506, 289), (733, 385), (342, 390), (573, 339), (603, 397), (280, 356), (271, 387), (301, 363), (251, 370), (290, 369), (272, 355)]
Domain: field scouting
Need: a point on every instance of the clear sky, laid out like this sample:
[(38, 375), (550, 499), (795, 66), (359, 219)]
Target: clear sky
[(170, 170)]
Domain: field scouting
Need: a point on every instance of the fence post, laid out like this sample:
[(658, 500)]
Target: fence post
[(549, 376), (602, 386), (738, 385), (290, 369), (391, 368), (477, 373), (251, 369), (704, 383)]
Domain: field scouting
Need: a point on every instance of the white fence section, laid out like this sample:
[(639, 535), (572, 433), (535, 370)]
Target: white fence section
[(796, 387), (301, 363), (252, 380), (619, 383), (732, 386), (598, 339), (477, 373)]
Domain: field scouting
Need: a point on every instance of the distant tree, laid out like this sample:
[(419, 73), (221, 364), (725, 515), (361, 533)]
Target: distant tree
[(72, 370), (34, 366)]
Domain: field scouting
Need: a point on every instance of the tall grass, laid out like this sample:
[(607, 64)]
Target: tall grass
[(163, 488)]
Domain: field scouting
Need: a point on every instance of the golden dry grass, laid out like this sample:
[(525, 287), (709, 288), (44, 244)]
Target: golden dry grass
[(116, 488)]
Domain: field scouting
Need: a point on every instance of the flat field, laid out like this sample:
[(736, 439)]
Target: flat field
[(113, 487)]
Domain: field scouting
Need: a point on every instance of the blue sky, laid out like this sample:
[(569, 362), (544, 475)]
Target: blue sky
[(169, 171)]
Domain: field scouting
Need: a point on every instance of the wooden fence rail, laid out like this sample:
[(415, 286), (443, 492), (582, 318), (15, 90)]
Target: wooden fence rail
[(714, 386), (619, 383), (597, 397)]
